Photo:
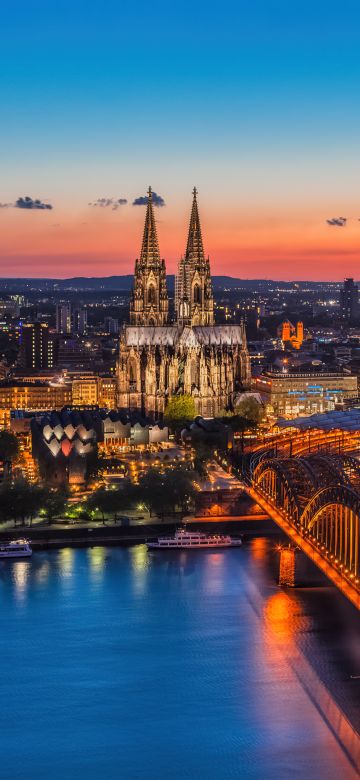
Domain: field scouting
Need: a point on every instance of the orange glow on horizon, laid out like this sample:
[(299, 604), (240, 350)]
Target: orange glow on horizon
[(97, 243)]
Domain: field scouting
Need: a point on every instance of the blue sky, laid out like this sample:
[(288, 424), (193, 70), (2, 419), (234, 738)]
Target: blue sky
[(255, 102)]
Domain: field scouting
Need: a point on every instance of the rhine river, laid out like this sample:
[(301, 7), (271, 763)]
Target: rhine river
[(120, 663)]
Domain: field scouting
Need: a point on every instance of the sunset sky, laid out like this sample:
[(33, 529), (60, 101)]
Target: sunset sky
[(256, 102)]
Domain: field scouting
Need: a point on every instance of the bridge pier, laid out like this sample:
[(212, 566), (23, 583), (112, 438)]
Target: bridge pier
[(296, 570), (292, 567), (287, 565)]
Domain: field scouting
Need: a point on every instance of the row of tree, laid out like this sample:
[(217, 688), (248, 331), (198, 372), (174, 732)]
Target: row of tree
[(247, 414), (157, 492), (22, 501)]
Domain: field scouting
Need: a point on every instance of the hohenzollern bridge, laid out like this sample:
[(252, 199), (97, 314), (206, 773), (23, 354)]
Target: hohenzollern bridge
[(309, 484)]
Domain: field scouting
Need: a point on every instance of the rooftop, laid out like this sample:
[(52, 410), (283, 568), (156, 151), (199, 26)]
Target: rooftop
[(348, 420)]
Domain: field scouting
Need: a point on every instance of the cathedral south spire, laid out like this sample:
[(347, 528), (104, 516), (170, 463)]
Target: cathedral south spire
[(194, 301), (149, 303)]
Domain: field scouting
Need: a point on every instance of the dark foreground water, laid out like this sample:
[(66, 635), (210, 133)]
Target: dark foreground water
[(117, 663)]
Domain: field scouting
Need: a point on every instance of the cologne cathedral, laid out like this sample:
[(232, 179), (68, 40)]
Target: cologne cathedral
[(189, 354)]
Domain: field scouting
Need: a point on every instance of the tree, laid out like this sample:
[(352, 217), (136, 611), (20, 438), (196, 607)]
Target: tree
[(203, 453), (54, 504), (20, 500), (249, 408), (163, 492), (95, 463), (107, 502), (9, 446), (180, 485), (180, 409)]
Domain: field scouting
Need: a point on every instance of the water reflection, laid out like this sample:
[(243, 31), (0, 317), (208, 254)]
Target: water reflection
[(259, 548), (284, 620), (281, 617), (42, 572), (21, 571), (66, 562), (97, 557), (139, 555), (214, 577)]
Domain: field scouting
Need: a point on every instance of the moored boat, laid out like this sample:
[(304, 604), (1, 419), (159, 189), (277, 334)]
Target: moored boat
[(192, 540), (18, 548)]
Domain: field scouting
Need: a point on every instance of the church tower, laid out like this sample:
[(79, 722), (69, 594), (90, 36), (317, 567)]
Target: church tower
[(149, 304), (194, 302)]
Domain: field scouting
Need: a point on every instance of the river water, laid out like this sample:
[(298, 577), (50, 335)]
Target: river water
[(120, 663)]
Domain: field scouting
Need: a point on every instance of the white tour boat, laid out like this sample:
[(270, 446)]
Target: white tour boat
[(192, 540), (19, 548)]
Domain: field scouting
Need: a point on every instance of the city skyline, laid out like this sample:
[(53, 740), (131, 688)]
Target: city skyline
[(259, 114)]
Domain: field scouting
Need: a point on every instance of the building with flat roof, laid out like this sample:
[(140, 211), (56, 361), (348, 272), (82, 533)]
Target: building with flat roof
[(36, 346), (292, 394), (349, 301), (31, 397)]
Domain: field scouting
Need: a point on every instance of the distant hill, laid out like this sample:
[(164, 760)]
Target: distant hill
[(125, 283)]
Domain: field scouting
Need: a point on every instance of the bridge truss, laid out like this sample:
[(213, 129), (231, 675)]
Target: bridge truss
[(318, 497)]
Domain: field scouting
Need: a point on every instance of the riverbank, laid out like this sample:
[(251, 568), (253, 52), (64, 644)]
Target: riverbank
[(47, 537)]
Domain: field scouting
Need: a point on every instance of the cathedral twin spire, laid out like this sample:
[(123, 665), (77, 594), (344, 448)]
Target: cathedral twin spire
[(194, 303), (149, 303)]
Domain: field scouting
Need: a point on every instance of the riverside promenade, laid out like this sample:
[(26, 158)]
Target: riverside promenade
[(63, 534)]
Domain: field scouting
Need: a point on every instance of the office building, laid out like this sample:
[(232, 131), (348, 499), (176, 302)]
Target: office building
[(63, 318), (36, 346), (349, 301)]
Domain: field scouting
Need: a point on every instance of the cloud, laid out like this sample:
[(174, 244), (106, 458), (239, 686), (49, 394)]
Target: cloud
[(338, 221), (6, 205), (29, 203), (143, 200), (105, 203)]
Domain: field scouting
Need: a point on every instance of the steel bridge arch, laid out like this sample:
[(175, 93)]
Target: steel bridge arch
[(279, 480), (331, 520)]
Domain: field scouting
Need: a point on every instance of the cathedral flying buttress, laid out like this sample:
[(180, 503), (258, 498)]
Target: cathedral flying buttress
[(190, 355)]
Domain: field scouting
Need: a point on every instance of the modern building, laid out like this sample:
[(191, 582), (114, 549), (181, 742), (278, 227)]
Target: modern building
[(63, 318), (111, 325), (31, 397), (37, 346), (192, 355), (75, 352), (96, 390), (62, 444), (349, 301), (79, 321), (9, 308), (123, 431), (292, 394)]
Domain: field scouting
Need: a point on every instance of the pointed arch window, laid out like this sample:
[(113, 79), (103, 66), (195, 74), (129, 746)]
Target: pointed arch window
[(151, 295), (132, 369), (197, 293)]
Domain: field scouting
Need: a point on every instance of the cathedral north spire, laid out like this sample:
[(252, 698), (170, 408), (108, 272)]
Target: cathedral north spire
[(194, 301), (149, 303)]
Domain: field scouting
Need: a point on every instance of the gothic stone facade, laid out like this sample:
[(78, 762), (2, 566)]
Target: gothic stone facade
[(193, 355)]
